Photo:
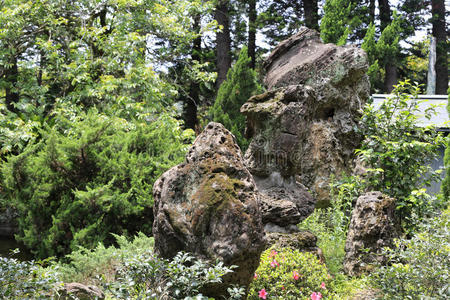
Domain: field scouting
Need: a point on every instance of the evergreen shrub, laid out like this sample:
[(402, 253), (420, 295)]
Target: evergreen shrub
[(240, 85), (90, 177)]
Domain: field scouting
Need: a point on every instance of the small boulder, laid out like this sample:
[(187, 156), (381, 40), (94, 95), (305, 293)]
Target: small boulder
[(75, 290), (209, 206), (303, 241), (284, 201), (372, 227)]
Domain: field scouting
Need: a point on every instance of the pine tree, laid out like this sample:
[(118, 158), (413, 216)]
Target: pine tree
[(382, 52), (239, 86), (337, 22)]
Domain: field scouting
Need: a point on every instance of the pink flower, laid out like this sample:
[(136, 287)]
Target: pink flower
[(274, 264), (273, 253), (323, 285), (262, 294), (296, 275), (316, 296), (255, 276)]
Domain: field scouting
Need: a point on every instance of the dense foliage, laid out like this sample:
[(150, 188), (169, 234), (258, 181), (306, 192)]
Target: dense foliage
[(239, 86), (129, 271), (383, 51), (289, 274), (145, 276), (398, 153), (331, 224), (77, 186), (337, 22), (26, 280), (87, 114), (419, 268)]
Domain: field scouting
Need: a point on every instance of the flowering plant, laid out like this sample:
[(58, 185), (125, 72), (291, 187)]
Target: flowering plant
[(289, 274)]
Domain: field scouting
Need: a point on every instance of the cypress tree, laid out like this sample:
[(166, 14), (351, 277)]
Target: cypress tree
[(239, 86)]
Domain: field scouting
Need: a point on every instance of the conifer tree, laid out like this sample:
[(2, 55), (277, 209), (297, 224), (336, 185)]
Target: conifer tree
[(382, 52), (335, 26), (239, 86)]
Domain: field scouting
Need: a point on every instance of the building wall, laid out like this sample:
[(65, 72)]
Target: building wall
[(435, 188)]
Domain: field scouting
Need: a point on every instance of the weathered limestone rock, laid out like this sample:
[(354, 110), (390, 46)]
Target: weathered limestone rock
[(305, 124), (8, 222), (80, 291), (303, 241), (209, 206), (284, 202), (372, 228)]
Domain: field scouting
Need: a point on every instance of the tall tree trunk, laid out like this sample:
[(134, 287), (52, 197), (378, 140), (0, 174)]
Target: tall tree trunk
[(223, 41), (11, 94), (252, 32), (385, 13), (372, 11), (190, 106), (439, 32), (390, 77), (311, 14)]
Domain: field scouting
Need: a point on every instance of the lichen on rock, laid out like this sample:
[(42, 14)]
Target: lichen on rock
[(306, 123), (373, 226), (209, 206)]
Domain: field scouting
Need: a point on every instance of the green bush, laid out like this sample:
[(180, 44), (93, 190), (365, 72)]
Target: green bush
[(398, 153), (145, 276), (89, 177), (239, 86), (330, 225), (26, 280), (131, 270), (289, 274), (420, 267), (85, 265)]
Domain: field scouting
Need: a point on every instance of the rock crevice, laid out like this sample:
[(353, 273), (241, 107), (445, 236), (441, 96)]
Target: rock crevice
[(305, 125)]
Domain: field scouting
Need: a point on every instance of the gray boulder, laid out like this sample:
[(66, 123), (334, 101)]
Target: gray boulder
[(306, 123), (209, 206), (303, 241), (284, 201), (75, 290), (372, 227)]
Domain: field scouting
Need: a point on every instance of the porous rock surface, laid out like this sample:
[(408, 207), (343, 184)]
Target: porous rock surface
[(75, 290), (305, 124), (303, 241), (372, 227), (209, 206), (284, 202)]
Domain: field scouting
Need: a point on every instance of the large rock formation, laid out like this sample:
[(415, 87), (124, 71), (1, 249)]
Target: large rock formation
[(305, 124), (372, 228), (209, 206)]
